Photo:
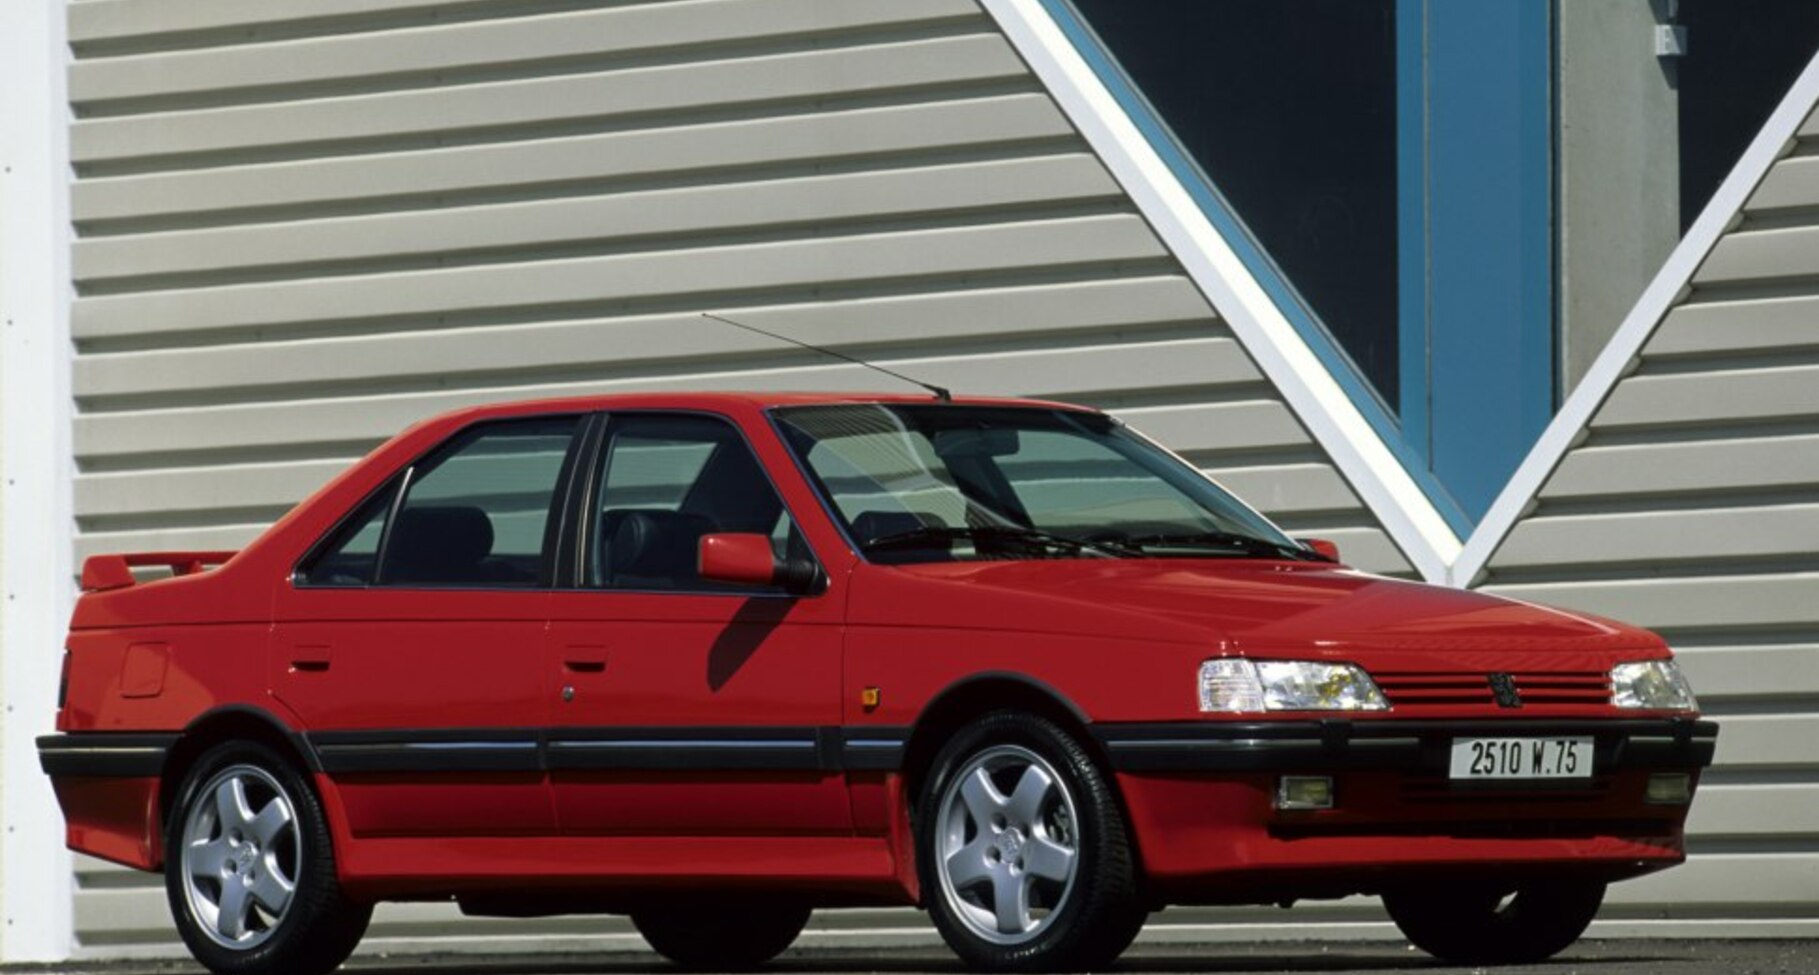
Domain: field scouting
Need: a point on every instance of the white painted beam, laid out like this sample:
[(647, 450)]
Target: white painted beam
[(36, 472)]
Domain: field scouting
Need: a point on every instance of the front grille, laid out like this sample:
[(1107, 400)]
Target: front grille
[(1580, 688), (1422, 691)]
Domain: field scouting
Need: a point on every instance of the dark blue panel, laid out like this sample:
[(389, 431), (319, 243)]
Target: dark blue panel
[(1490, 226)]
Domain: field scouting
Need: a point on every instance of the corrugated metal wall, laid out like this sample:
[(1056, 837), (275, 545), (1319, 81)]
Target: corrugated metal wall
[(304, 223), (1692, 507)]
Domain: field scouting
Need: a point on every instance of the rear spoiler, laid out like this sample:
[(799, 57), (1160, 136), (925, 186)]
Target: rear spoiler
[(103, 572)]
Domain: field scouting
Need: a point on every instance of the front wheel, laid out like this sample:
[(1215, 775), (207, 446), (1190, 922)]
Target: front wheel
[(721, 934), (250, 869), (1480, 925), (1023, 850)]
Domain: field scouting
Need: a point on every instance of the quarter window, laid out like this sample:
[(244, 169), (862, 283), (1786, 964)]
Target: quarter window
[(352, 554)]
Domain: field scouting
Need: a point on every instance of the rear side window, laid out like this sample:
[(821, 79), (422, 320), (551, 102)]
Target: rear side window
[(477, 513)]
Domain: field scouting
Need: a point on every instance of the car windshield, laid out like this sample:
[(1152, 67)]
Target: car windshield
[(939, 482)]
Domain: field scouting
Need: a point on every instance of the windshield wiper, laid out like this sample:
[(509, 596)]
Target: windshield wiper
[(997, 533), (1246, 544)]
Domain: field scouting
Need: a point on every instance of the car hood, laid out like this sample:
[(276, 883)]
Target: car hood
[(1249, 605)]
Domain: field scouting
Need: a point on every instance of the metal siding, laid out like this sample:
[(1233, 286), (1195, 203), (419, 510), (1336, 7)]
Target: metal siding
[(1692, 506), (303, 225)]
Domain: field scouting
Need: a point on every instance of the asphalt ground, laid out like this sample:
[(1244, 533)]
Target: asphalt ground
[(1619, 957)]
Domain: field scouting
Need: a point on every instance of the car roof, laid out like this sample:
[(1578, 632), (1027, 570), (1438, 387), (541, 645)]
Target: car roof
[(727, 402)]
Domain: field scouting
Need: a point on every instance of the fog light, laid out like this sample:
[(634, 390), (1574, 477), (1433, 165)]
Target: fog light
[(1670, 788), (1305, 792)]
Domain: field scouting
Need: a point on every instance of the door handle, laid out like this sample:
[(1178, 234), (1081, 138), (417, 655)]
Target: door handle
[(584, 659), (310, 660)]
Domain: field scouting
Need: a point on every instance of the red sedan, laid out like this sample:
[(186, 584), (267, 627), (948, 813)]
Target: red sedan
[(717, 660)]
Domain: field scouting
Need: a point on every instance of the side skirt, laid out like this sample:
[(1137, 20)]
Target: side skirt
[(622, 870)]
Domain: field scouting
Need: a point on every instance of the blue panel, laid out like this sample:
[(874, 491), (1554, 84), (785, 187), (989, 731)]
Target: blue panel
[(1411, 203), (1490, 229)]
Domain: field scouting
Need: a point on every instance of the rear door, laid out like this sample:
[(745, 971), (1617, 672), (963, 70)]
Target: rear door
[(411, 642), (687, 707)]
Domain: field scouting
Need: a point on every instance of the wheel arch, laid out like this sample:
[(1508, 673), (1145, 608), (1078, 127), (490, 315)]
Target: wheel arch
[(979, 694), (234, 722)]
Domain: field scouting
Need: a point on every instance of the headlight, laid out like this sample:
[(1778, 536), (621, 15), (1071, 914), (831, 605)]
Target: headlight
[(1655, 685), (1236, 685)]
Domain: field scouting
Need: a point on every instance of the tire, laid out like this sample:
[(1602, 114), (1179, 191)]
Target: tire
[(721, 935), (1025, 859), (246, 825), (1475, 925)]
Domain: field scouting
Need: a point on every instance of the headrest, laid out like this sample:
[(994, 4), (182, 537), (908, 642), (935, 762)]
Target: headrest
[(442, 543), (652, 546)]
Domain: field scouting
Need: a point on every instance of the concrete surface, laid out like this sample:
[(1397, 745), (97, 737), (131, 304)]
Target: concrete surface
[(1625, 957)]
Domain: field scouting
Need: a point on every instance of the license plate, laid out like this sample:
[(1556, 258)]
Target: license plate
[(1522, 758)]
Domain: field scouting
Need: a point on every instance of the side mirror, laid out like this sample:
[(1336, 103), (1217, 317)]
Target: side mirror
[(1321, 546), (746, 558)]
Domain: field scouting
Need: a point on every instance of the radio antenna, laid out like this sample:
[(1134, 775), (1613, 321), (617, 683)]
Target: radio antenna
[(941, 392)]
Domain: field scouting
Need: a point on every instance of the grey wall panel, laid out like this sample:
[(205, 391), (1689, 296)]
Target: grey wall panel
[(1734, 812), (1685, 602), (688, 274), (1066, 373), (304, 225), (1756, 255), (1794, 183), (101, 26), (490, 45), (1720, 395), (1710, 885), (510, 231), (173, 139), (1691, 505), (1736, 327), (1660, 537), (1731, 677), (1098, 309), (1726, 465), (566, 165)]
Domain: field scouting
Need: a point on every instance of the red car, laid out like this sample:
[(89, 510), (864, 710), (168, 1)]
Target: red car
[(717, 660)]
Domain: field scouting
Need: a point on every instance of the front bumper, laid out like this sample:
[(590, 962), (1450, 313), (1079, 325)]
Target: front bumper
[(1201, 802), (1390, 744)]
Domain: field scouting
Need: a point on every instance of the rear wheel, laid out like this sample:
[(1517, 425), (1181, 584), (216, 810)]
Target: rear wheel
[(721, 935), (1480, 925), (250, 869), (1025, 861)]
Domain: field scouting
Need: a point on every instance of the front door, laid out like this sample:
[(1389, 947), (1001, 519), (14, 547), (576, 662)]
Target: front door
[(686, 707), (411, 643)]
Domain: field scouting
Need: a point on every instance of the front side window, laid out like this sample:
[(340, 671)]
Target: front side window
[(476, 513), (916, 483), (666, 480)]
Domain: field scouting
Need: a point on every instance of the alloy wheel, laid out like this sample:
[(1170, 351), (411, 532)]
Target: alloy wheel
[(1009, 847), (241, 851)]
